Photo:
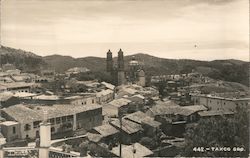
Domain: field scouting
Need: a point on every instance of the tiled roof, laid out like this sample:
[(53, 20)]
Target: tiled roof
[(18, 84), (160, 109), (128, 151), (30, 113), (104, 92), (215, 113), (5, 96), (22, 113), (151, 122), (127, 126), (108, 85), (24, 94), (46, 97), (106, 130), (9, 123), (119, 102)]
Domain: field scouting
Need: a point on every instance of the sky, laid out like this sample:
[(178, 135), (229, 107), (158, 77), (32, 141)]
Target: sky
[(190, 29)]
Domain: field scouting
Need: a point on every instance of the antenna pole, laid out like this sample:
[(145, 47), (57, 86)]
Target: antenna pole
[(0, 23)]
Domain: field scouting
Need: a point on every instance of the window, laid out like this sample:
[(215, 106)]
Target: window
[(26, 127), (58, 120), (52, 129), (70, 117), (64, 119), (52, 121), (36, 124), (37, 134), (93, 101), (14, 130)]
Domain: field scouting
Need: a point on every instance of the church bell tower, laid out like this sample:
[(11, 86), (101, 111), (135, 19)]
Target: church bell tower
[(109, 61), (121, 72)]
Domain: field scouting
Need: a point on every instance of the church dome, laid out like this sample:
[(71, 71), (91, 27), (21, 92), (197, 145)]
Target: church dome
[(133, 62)]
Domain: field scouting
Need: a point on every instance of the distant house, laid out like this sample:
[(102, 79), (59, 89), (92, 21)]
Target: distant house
[(8, 66), (104, 133), (63, 118), (126, 91), (149, 125), (174, 118), (10, 130), (209, 114), (216, 103), (108, 85), (131, 131), (77, 70), (19, 86), (80, 100), (104, 96), (117, 107)]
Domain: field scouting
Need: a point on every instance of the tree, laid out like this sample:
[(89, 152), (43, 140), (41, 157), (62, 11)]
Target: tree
[(219, 132)]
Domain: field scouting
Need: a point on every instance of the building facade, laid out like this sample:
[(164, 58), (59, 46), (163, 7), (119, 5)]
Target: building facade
[(134, 74)]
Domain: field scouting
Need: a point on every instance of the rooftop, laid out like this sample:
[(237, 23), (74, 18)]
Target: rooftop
[(5, 96), (104, 92), (46, 97), (119, 102), (135, 150), (17, 84), (222, 98), (141, 118), (151, 122), (9, 123), (24, 94), (106, 130), (30, 113), (108, 85), (176, 110), (214, 113), (128, 127)]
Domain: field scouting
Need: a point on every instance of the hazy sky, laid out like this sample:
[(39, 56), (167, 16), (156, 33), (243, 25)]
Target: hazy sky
[(163, 28)]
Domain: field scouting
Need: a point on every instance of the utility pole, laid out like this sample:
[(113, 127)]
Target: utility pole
[(120, 147), (0, 23)]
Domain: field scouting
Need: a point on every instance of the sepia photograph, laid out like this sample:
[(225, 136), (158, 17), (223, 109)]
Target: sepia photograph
[(124, 78)]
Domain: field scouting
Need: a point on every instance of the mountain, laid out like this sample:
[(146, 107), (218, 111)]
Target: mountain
[(23, 60), (228, 70), (63, 63)]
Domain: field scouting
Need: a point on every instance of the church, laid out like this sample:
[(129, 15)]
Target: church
[(134, 74)]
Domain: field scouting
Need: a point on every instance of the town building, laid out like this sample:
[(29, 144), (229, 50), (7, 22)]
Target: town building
[(131, 132), (18, 86), (62, 117), (117, 107), (218, 103), (105, 133), (105, 96), (76, 70)]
